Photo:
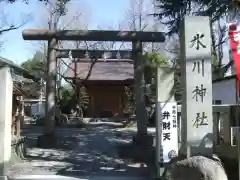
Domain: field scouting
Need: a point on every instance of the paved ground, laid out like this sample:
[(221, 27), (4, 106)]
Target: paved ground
[(95, 151)]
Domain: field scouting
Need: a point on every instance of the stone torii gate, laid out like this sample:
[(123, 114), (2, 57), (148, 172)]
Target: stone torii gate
[(136, 37)]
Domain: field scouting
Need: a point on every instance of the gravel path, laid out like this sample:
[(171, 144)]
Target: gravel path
[(91, 151)]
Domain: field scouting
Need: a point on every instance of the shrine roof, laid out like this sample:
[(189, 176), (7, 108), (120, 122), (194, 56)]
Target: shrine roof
[(18, 73), (107, 70)]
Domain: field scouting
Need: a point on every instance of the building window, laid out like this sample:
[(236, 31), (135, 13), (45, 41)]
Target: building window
[(217, 102)]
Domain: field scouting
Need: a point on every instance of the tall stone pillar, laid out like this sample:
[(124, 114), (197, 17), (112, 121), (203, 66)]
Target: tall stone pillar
[(6, 91)]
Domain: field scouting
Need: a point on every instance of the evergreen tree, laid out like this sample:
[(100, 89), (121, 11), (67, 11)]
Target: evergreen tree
[(171, 12)]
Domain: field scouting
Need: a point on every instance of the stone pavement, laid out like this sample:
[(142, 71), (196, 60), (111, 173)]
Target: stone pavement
[(59, 177), (87, 152)]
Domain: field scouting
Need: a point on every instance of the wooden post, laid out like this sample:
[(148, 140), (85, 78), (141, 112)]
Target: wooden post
[(21, 112), (238, 152), (141, 113), (196, 72), (227, 127), (6, 90), (17, 121)]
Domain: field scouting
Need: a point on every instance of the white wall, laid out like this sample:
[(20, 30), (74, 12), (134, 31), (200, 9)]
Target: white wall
[(225, 91)]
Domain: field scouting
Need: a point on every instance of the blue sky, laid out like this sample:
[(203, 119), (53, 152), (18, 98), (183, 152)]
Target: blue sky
[(100, 13), (104, 13)]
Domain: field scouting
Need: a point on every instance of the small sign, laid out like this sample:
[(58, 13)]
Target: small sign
[(169, 131)]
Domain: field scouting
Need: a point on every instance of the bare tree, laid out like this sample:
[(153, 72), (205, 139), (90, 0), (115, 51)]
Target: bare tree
[(73, 18), (219, 40), (138, 18), (111, 45), (7, 24)]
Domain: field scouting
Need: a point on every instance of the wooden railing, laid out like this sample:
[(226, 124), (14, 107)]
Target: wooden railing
[(222, 124), (224, 130)]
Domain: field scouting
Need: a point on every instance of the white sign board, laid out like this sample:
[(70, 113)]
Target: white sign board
[(165, 84), (169, 131)]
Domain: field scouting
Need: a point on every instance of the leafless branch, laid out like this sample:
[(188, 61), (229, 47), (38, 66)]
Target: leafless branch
[(93, 61), (74, 19), (12, 27), (6, 26)]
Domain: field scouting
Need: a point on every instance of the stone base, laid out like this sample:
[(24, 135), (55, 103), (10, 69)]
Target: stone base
[(204, 167), (4, 178), (47, 141), (18, 149), (143, 140), (18, 153)]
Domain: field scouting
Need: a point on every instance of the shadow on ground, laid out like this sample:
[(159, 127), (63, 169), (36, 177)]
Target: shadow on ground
[(141, 155), (91, 151)]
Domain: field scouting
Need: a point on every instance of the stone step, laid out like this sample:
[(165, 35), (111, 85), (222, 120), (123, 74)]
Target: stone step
[(58, 177)]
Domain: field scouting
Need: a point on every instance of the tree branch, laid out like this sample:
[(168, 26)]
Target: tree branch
[(6, 28)]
